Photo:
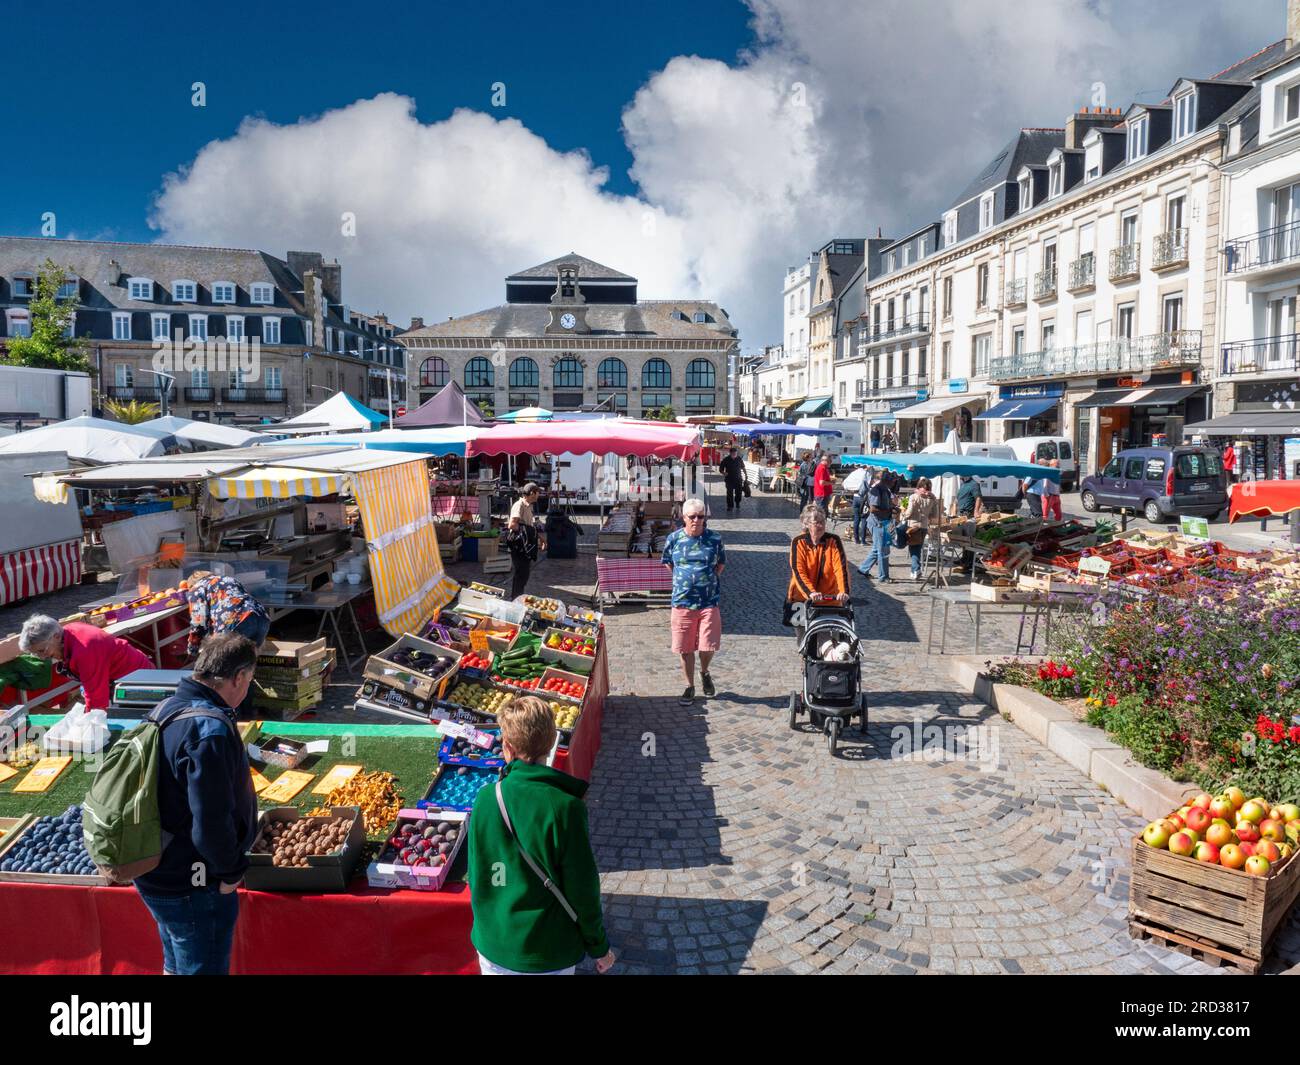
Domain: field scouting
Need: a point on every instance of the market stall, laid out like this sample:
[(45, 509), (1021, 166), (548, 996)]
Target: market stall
[(340, 413), (86, 440)]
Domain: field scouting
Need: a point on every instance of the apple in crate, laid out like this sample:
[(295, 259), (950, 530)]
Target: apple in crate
[(1232, 856), (1207, 853), (1198, 820), (1157, 835), (1286, 850), (1203, 801), (1257, 866), (1182, 843), (1247, 832), (1237, 796), (1177, 821), (1289, 811), (1274, 830), (1266, 848), (1252, 811), (1247, 848), (1293, 832), (1223, 807), (1219, 834)]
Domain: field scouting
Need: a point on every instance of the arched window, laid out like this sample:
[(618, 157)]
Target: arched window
[(700, 374), (656, 374), (524, 373), (478, 373), (434, 372), (568, 373), (612, 373)]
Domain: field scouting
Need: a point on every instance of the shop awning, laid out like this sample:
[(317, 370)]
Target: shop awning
[(786, 404), (1140, 397), (780, 429), (1261, 499), (615, 436), (883, 419), (928, 408), (313, 476), (814, 406), (937, 463), (1248, 423), (1019, 409)]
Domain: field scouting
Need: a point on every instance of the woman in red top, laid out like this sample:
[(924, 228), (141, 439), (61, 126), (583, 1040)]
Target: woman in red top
[(823, 483), (84, 652)]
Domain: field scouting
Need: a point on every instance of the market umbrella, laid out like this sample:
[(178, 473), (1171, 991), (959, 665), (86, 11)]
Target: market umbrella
[(1262, 499), (934, 464), (194, 433), (340, 412), (87, 439), (779, 429), (448, 440), (449, 407)]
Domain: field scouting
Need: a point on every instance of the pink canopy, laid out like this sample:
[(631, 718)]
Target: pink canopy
[(601, 437)]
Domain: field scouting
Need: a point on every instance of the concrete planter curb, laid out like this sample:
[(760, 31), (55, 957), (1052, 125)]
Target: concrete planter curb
[(1089, 750)]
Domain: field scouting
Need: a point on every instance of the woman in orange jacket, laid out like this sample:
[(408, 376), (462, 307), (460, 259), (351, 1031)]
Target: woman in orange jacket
[(817, 563)]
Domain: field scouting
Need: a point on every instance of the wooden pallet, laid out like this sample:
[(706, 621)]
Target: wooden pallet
[(1208, 953)]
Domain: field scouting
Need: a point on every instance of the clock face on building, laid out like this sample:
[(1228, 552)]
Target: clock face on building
[(568, 321)]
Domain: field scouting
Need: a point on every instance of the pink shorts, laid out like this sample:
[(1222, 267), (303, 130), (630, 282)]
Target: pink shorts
[(696, 630)]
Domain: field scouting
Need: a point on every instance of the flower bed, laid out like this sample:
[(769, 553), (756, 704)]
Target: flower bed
[(1201, 685)]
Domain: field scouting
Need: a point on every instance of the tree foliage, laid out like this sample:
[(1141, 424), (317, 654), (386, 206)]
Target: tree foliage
[(49, 347), (130, 412)]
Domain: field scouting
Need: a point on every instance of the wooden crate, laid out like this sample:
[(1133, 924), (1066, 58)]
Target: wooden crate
[(1226, 913)]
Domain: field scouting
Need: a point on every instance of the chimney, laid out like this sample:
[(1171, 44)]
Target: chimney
[(1078, 124), (331, 275), (301, 261), (1292, 23), (417, 323)]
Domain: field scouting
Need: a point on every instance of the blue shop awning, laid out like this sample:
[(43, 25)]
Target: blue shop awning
[(815, 405), (1020, 409)]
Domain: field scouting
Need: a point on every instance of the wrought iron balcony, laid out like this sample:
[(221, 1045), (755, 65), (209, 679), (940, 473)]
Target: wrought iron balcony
[(1125, 262), (1169, 250), (1270, 247), (1115, 356), (148, 393), (254, 395), (200, 395), (1267, 355), (1014, 293), (1045, 284), (912, 325), (1083, 273), (893, 388)]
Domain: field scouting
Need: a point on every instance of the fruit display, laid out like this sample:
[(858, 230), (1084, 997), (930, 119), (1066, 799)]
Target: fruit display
[(521, 664), (576, 645), (28, 754), (454, 787), (477, 697), (52, 844), (414, 846), (548, 608), (291, 843), (560, 686), (566, 715), (456, 750), (375, 794), (1252, 835), (486, 589), (477, 662), (131, 608), (589, 617)]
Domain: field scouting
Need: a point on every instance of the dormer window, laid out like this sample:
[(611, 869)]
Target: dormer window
[(1137, 138), (261, 293), (1288, 104), (185, 291), (1092, 161), (24, 285), (1026, 192), (139, 288), (68, 289), (1055, 178), (681, 316), (986, 210), (223, 292), (1184, 115), (701, 318), (950, 228)]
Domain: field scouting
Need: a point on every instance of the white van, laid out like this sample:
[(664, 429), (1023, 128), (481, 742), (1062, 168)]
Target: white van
[(849, 442), (1000, 493), (1042, 448)]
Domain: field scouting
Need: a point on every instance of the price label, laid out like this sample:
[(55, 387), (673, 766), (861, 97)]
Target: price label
[(1094, 566), (1195, 528), (43, 775), (465, 732)]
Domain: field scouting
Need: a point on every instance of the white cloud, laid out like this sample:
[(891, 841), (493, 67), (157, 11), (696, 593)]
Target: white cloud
[(845, 116)]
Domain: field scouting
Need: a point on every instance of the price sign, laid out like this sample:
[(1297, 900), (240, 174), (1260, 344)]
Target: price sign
[(466, 732), (1195, 528), (1094, 566)]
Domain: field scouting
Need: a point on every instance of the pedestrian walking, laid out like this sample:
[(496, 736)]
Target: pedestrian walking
[(823, 484), (696, 556), (1032, 487), (207, 809), (804, 480), (733, 478), (1051, 496), (923, 510), (1230, 462), (523, 539), (970, 504), (860, 511), (875, 440), (534, 885), (880, 527)]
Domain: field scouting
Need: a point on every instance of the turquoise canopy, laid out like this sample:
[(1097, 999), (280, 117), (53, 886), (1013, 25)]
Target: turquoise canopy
[(936, 464)]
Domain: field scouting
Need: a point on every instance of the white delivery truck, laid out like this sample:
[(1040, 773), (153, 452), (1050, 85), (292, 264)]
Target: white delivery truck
[(849, 442), (1041, 449)]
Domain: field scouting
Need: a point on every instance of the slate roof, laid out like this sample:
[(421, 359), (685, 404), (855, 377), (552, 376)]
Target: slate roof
[(853, 297), (1027, 147), (644, 319), (587, 270)]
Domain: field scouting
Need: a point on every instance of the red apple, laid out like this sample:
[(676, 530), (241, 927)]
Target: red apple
[(1207, 853), (1197, 819), (1203, 801), (1274, 830), (1222, 807), (1262, 802), (1177, 821), (1156, 835), (1257, 866), (1236, 795), (1182, 843), (1246, 848), (1274, 814), (1219, 834), (1232, 856), (1289, 811), (1266, 848), (1195, 836), (1252, 811), (1248, 832)]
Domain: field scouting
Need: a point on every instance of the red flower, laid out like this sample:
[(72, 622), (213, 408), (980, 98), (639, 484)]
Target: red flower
[(1111, 700), (1295, 733)]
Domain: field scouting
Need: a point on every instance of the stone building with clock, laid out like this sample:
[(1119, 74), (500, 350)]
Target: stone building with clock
[(573, 334)]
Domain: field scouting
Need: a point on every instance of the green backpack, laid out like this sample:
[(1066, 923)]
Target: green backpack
[(120, 819)]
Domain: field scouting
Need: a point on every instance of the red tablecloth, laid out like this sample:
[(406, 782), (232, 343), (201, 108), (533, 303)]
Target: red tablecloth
[(584, 745), (50, 929)]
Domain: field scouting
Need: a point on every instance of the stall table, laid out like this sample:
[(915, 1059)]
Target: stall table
[(1025, 604), (332, 604), (623, 576)]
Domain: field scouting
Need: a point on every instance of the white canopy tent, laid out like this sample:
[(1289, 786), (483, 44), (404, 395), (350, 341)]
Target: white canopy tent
[(338, 414), (88, 440), (199, 434)]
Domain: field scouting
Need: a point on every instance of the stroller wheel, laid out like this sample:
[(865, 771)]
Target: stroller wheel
[(832, 733), (794, 711)]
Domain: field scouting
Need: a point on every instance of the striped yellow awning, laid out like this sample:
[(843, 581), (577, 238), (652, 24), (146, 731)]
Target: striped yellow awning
[(277, 482)]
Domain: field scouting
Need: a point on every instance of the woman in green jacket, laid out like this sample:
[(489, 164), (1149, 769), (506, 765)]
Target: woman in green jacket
[(521, 926)]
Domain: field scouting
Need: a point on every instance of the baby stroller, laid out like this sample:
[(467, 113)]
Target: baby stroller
[(832, 692)]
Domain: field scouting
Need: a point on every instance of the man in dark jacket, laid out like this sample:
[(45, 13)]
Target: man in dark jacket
[(804, 480), (208, 811), (732, 469)]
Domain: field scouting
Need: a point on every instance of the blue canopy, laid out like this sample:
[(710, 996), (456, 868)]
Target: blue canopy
[(1019, 409), (814, 405), (776, 429), (936, 464), (448, 440)]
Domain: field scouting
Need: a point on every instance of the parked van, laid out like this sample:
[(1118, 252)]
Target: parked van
[(1161, 482), (1000, 493), (1041, 449), (849, 442)]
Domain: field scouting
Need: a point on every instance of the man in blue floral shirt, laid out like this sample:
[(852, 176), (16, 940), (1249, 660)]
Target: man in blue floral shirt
[(696, 556)]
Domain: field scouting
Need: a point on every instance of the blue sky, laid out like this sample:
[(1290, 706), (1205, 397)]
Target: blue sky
[(113, 114)]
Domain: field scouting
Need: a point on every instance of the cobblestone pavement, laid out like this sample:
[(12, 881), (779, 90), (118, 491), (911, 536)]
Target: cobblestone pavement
[(730, 843)]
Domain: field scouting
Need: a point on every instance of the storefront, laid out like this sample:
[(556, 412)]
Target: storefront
[(786, 408), (1027, 410), (1267, 443), (1129, 412), (930, 421)]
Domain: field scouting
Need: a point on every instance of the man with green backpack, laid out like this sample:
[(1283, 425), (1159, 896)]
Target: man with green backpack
[(173, 809)]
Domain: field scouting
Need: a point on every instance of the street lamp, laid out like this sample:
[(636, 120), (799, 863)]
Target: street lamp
[(165, 389)]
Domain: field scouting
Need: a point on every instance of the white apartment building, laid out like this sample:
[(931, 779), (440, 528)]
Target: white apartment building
[(1257, 386), (796, 301)]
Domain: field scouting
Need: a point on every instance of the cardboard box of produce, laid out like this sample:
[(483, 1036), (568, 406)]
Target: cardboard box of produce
[(423, 836), (294, 674), (327, 872), (418, 667), (295, 654), (569, 659), (14, 829)]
